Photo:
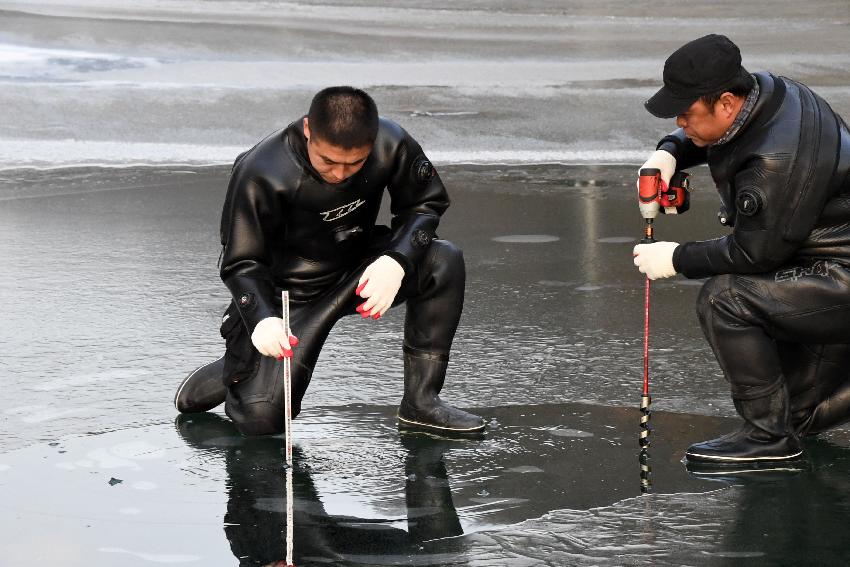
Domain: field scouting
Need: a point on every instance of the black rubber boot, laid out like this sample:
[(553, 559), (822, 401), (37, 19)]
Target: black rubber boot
[(765, 437), (203, 389), (421, 406)]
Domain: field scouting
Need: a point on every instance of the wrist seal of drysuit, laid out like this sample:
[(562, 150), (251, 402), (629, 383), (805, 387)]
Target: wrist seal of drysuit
[(411, 237), (676, 254), (253, 299), (672, 143)]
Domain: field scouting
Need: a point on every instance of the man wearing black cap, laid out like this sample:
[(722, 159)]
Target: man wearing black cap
[(776, 306)]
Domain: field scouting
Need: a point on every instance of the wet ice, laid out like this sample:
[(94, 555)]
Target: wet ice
[(552, 473), (121, 264)]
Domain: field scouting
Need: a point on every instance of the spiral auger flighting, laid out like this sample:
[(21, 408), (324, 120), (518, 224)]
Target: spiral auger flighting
[(643, 456), (645, 399)]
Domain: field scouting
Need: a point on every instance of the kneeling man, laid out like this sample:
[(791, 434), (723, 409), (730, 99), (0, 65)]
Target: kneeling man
[(776, 306), (300, 215)]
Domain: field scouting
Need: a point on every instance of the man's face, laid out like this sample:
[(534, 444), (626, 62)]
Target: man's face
[(334, 163), (704, 125)]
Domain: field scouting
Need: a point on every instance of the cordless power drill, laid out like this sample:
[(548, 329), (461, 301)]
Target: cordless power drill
[(654, 196), (672, 200)]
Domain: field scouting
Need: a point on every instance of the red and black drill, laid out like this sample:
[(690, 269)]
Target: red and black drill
[(672, 199), (655, 196)]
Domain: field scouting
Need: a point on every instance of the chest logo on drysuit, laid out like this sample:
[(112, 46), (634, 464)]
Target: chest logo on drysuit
[(340, 212)]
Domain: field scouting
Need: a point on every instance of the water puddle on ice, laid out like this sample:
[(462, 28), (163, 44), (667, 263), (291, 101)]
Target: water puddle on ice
[(553, 484), (527, 238)]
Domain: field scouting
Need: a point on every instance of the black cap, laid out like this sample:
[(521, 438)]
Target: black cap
[(701, 67)]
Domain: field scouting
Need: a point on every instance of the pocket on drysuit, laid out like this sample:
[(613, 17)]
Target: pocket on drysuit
[(241, 359)]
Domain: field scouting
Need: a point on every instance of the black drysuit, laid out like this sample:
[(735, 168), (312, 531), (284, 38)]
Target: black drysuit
[(776, 309), (283, 227)]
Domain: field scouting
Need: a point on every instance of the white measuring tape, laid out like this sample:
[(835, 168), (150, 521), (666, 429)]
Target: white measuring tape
[(287, 402)]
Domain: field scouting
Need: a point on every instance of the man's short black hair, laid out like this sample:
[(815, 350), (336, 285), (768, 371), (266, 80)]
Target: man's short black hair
[(740, 87), (344, 116)]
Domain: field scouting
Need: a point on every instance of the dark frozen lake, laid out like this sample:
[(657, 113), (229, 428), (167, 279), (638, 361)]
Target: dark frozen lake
[(122, 299), (116, 296), (532, 111)]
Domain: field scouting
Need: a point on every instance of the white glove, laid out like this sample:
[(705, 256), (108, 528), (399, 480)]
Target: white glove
[(272, 339), (656, 259), (664, 162), (379, 285)]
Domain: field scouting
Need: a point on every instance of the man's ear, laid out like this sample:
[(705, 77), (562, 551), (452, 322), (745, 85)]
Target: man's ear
[(306, 125), (728, 105)]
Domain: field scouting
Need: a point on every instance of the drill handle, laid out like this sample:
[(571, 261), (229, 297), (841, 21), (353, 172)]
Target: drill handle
[(649, 184), (649, 189), (676, 198)]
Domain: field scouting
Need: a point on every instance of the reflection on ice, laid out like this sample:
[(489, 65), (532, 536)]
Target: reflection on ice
[(616, 240), (569, 432), (768, 516), (527, 238), (553, 485)]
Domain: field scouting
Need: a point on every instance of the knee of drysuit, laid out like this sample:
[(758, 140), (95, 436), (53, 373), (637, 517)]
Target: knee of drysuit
[(262, 418), (718, 297), (444, 262)]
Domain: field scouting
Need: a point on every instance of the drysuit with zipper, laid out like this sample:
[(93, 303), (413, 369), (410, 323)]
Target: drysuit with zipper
[(284, 227), (776, 306)]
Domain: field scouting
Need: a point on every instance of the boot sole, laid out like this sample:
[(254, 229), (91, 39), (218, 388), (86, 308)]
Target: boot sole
[(439, 428), (186, 380), (718, 459), (726, 471)]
